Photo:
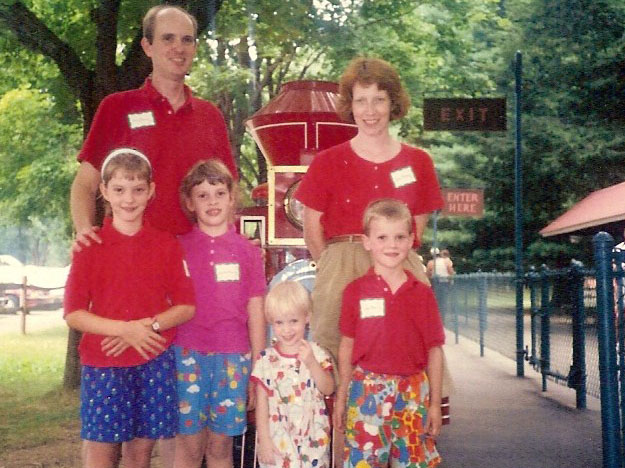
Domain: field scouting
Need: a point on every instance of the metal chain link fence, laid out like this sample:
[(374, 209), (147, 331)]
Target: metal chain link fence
[(482, 308)]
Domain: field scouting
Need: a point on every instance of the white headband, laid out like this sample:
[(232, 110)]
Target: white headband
[(119, 151)]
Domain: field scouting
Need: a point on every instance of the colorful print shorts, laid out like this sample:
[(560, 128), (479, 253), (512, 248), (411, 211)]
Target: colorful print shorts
[(386, 417), (212, 391), (119, 404)]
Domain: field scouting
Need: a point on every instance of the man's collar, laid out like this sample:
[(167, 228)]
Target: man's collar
[(154, 95)]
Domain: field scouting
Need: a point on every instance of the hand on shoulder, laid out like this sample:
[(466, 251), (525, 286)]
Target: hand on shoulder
[(86, 237)]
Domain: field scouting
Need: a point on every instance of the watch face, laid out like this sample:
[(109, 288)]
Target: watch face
[(156, 326), (293, 208)]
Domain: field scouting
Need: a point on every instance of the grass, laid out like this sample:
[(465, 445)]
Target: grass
[(34, 409)]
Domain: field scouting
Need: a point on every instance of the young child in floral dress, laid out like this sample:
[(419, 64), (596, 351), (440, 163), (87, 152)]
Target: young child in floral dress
[(292, 378)]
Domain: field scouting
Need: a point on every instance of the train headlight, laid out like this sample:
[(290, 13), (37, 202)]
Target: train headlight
[(293, 208)]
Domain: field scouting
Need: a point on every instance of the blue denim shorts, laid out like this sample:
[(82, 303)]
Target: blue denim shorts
[(212, 391), (119, 404)]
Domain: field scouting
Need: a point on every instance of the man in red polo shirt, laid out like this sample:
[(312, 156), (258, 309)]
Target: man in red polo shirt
[(161, 119)]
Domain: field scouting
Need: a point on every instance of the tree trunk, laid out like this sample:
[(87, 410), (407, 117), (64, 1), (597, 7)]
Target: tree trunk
[(71, 375)]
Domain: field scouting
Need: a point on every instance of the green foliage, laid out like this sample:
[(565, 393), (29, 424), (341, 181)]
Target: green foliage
[(573, 93), (37, 166)]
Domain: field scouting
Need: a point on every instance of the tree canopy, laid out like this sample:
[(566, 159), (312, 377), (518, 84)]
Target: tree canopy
[(62, 57)]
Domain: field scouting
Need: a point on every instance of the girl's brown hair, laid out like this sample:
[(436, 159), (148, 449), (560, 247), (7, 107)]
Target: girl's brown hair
[(212, 171)]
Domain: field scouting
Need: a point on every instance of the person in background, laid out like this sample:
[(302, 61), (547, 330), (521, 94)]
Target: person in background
[(390, 355), (292, 377), (215, 351), (126, 296), (440, 265)]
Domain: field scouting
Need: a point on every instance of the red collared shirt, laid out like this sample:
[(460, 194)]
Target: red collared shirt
[(341, 184), (392, 332), (173, 141), (126, 278)]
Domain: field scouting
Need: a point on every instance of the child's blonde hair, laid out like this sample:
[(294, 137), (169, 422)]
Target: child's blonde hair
[(287, 296), (133, 163), (212, 171), (389, 209)]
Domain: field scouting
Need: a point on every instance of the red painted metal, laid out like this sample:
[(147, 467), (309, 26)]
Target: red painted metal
[(298, 122)]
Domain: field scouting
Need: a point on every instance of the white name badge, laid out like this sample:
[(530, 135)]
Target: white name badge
[(403, 176), (186, 268), (227, 272), (370, 308), (141, 119)]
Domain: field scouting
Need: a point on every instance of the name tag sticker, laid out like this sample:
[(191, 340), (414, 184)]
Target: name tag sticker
[(186, 268), (403, 176), (371, 308), (141, 119), (227, 272)]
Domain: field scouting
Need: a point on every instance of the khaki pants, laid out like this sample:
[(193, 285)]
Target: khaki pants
[(339, 265)]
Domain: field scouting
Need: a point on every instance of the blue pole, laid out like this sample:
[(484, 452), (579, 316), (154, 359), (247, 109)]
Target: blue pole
[(518, 219), (482, 309), (545, 327), (610, 424), (579, 335)]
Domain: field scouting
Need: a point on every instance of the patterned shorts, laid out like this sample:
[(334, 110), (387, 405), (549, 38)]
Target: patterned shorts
[(212, 391), (386, 417), (119, 404)]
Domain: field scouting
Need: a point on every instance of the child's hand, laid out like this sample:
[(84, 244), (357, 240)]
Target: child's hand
[(338, 415), (251, 396), (267, 452), (435, 420), (113, 346), (141, 337), (305, 353)]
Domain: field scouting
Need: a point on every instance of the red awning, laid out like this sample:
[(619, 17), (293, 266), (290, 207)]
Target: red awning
[(601, 207)]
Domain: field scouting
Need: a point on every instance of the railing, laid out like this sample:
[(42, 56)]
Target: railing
[(559, 319)]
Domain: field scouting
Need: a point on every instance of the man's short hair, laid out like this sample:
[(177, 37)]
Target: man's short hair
[(389, 209), (149, 20)]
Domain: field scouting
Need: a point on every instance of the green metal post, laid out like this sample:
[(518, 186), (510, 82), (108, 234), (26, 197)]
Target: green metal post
[(577, 376), (545, 325), (534, 312), (518, 219), (610, 424), (482, 310)]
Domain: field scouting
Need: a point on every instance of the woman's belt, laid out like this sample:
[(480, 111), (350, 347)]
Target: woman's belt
[(345, 238)]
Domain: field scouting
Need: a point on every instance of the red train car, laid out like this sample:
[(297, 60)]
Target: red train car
[(299, 122)]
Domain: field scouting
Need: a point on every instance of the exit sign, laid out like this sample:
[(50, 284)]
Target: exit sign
[(481, 114)]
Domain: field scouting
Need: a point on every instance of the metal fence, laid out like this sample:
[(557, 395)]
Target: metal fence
[(559, 312)]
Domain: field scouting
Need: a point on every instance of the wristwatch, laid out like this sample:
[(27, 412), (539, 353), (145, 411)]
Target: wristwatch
[(156, 327)]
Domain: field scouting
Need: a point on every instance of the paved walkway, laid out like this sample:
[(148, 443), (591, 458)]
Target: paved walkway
[(502, 421)]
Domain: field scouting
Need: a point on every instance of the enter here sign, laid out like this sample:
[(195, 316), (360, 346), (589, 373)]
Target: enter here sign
[(463, 202)]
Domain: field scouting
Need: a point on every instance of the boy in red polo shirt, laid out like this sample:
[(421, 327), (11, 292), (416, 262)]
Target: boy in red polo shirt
[(127, 295), (390, 354)]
